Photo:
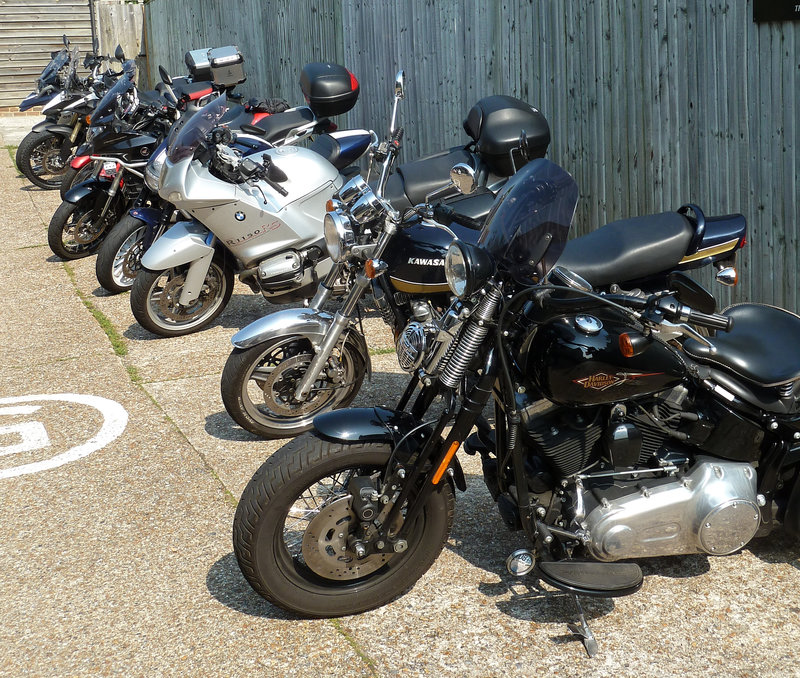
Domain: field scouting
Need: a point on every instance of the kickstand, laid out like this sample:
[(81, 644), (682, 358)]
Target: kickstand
[(582, 630)]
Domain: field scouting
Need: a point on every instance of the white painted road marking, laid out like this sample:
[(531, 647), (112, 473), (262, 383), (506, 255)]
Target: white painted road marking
[(34, 435)]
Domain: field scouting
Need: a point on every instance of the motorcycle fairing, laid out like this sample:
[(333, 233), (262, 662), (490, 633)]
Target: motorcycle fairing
[(379, 424), (36, 99), (183, 243)]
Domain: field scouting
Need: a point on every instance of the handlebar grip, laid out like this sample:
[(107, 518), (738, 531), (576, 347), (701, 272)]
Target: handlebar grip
[(397, 137), (713, 321), (275, 185), (446, 214)]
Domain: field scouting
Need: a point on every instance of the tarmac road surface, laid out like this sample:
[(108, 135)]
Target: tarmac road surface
[(119, 473)]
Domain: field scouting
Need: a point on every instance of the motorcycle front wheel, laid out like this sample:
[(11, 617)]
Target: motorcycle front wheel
[(76, 229), (291, 529), (119, 256), (38, 157), (258, 385), (155, 299), (73, 177)]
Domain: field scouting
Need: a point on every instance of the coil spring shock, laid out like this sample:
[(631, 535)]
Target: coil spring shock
[(469, 341)]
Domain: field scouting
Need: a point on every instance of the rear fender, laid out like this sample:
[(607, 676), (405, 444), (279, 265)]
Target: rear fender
[(184, 243), (379, 425), (716, 238)]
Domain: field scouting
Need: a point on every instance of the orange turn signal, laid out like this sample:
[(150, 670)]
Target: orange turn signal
[(445, 462), (88, 119), (626, 346), (374, 267), (329, 206)]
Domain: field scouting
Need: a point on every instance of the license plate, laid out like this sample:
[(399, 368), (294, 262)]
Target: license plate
[(109, 166)]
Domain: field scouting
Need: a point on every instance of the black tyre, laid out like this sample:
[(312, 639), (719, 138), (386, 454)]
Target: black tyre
[(258, 385), (290, 542), (76, 230), (119, 256), (155, 299), (73, 177), (39, 159)]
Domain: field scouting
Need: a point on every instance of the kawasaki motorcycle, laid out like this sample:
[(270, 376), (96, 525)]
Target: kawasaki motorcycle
[(293, 364), (620, 432)]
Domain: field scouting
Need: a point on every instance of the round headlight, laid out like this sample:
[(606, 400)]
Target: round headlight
[(339, 236), (467, 267), (455, 269)]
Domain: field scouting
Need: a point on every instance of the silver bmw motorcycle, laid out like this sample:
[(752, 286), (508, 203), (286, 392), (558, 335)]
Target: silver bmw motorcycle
[(258, 215)]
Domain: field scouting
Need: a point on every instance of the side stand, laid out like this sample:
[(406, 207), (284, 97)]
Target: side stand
[(582, 630)]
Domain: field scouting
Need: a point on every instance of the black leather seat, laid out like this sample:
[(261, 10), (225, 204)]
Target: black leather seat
[(277, 126), (340, 154), (763, 347), (629, 249), (412, 181)]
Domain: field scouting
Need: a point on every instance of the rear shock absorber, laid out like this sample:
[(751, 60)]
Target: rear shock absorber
[(470, 339)]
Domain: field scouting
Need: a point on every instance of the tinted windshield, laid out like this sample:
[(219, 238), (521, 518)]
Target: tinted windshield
[(104, 111), (49, 75), (528, 226), (193, 133)]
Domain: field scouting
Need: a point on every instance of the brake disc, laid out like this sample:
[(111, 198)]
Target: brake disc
[(325, 548), (280, 385)]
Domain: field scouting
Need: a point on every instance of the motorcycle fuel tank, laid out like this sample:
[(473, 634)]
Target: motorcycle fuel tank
[(578, 360), (128, 146)]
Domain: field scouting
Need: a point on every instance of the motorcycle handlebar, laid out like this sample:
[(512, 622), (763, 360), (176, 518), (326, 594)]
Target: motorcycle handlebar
[(442, 213), (713, 321)]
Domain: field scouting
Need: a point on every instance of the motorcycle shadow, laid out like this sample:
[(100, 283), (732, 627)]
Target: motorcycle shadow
[(226, 584)]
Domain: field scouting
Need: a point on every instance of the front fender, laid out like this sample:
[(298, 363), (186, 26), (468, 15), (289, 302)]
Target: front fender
[(379, 425), (183, 243), (149, 215), (291, 321), (85, 188), (47, 126)]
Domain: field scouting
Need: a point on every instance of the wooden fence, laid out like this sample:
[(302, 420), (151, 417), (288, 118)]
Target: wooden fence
[(651, 103)]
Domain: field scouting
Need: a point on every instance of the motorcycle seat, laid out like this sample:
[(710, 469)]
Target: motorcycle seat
[(761, 348), (629, 249), (342, 148), (412, 181), (277, 126)]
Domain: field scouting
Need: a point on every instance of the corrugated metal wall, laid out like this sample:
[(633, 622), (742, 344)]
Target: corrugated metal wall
[(651, 103), (29, 31)]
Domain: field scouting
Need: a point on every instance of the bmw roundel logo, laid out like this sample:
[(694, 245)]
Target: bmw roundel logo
[(239, 216)]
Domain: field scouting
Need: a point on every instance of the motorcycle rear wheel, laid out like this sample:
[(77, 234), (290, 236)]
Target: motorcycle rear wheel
[(119, 256), (76, 231), (155, 294), (258, 385), (287, 539), (38, 157)]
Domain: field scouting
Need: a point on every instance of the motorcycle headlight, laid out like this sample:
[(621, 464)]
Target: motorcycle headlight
[(339, 236), (466, 268), (152, 172)]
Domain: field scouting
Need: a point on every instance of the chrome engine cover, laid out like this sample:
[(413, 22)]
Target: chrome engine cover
[(712, 509)]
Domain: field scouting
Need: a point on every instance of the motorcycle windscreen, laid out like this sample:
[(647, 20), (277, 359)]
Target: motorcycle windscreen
[(194, 132), (114, 98), (528, 226), (49, 74)]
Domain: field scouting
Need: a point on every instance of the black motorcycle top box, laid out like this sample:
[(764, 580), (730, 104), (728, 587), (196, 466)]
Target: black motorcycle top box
[(495, 124), (329, 89)]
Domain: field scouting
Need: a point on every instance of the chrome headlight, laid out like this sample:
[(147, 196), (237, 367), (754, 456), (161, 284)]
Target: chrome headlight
[(152, 172), (353, 190), (467, 268), (339, 236)]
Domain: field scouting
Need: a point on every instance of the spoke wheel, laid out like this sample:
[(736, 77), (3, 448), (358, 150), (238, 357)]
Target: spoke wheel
[(155, 299), (291, 529), (258, 385)]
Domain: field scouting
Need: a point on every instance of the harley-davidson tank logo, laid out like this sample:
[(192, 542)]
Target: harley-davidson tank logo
[(601, 380), (419, 261)]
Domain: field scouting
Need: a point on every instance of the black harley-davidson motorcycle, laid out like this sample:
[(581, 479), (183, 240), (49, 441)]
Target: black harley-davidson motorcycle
[(620, 432), (293, 364)]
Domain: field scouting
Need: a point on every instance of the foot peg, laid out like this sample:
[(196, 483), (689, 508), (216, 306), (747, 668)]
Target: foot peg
[(589, 578)]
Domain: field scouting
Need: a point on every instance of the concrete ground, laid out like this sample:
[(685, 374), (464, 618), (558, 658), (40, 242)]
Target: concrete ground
[(119, 473)]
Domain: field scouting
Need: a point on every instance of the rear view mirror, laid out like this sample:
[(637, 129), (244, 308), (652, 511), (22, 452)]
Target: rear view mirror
[(166, 78), (691, 293), (463, 178), (400, 84), (119, 55)]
